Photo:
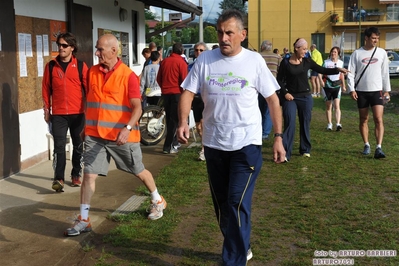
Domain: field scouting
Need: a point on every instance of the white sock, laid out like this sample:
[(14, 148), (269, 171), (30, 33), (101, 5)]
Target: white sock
[(84, 211), (367, 144), (379, 146), (155, 196)]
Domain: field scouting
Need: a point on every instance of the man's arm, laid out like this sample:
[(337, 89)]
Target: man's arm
[(183, 132), (276, 116), (123, 136), (46, 93)]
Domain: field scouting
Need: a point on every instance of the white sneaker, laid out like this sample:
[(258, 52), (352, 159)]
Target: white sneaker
[(156, 209), (201, 156), (249, 254), (329, 127)]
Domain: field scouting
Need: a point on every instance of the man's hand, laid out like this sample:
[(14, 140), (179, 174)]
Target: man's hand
[(278, 150), (354, 95), (183, 133), (122, 136), (47, 116)]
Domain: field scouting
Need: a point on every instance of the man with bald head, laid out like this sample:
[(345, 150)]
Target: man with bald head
[(113, 109)]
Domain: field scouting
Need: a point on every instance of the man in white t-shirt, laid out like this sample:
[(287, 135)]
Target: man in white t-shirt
[(232, 128), (370, 88)]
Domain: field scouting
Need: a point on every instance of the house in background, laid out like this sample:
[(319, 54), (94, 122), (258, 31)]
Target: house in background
[(322, 22), (28, 31)]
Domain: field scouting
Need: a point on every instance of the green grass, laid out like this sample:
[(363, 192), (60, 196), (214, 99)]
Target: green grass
[(336, 200)]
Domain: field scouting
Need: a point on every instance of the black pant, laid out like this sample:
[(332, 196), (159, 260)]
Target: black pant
[(60, 125), (170, 102)]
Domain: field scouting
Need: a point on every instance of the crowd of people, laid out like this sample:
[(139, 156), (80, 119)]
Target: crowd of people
[(236, 106)]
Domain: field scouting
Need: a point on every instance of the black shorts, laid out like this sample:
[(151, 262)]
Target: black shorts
[(366, 99), (332, 94), (198, 107)]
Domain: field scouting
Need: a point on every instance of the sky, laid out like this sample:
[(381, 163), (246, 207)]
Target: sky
[(210, 9)]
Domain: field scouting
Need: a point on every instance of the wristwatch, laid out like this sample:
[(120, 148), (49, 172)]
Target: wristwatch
[(278, 135), (128, 127)]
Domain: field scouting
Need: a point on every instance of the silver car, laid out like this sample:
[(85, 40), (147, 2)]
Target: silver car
[(394, 64)]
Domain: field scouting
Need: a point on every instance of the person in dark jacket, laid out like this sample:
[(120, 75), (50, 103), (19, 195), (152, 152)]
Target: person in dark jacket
[(296, 95), (63, 104)]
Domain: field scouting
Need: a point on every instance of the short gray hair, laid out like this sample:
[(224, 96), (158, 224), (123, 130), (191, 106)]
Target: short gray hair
[(266, 46), (199, 44)]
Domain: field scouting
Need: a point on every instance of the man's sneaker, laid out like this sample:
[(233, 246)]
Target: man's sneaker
[(306, 155), (173, 150), (249, 254), (58, 185), (366, 150), (76, 181), (201, 156), (80, 226), (379, 154), (329, 127), (156, 209), (339, 127)]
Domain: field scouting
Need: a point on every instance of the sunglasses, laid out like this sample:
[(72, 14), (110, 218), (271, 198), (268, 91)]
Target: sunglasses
[(63, 45), (199, 50)]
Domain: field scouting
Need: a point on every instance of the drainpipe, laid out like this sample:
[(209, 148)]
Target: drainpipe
[(360, 23), (290, 26), (259, 23)]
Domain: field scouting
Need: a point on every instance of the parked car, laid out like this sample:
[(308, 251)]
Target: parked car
[(394, 64)]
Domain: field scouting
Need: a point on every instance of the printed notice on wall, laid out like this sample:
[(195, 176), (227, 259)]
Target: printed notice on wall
[(39, 53), (23, 72), (46, 51), (28, 45)]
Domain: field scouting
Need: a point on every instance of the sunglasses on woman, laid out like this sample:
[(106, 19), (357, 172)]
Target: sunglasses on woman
[(199, 50)]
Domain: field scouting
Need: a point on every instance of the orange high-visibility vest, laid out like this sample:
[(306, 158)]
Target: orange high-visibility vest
[(108, 107)]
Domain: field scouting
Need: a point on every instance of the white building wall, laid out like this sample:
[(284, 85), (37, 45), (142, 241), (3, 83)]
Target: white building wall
[(33, 129)]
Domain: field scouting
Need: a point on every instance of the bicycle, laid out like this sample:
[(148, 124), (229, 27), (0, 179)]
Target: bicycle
[(153, 124)]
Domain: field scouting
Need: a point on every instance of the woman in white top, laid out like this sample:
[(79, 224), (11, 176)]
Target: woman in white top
[(332, 88)]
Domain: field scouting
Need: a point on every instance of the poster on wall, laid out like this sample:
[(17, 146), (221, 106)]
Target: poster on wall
[(56, 27), (123, 39)]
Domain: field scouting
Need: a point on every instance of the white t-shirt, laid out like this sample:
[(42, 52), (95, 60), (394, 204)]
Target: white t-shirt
[(376, 76), (229, 87), (330, 64)]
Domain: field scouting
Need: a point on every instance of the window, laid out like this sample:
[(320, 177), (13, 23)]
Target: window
[(392, 40), (318, 6), (393, 12)]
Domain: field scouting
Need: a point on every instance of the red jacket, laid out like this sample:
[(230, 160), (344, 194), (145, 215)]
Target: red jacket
[(172, 72), (66, 98)]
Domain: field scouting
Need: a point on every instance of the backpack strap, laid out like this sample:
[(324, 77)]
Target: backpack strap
[(51, 65), (80, 70)]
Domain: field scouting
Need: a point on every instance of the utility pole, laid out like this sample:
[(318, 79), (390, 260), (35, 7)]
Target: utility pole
[(201, 25)]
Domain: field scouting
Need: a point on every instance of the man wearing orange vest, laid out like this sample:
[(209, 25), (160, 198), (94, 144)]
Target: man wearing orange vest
[(113, 109)]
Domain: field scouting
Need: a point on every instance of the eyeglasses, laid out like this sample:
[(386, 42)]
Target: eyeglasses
[(199, 50), (63, 45)]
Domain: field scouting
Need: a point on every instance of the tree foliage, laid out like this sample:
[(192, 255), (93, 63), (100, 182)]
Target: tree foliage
[(234, 4), (210, 34), (149, 15)]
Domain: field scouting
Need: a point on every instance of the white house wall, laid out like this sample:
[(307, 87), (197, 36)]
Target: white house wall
[(105, 15)]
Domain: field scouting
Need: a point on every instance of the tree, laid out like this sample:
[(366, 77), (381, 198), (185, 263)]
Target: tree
[(149, 15), (234, 4), (210, 34)]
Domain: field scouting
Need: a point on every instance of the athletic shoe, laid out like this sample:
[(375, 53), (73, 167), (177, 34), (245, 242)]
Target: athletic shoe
[(366, 150), (58, 185), (265, 137), (329, 127), (249, 254), (156, 209), (80, 226), (76, 181), (201, 156), (176, 146), (306, 155), (173, 150), (339, 127), (379, 154)]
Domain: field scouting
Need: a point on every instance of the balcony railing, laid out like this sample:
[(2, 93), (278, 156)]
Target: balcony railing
[(365, 15)]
